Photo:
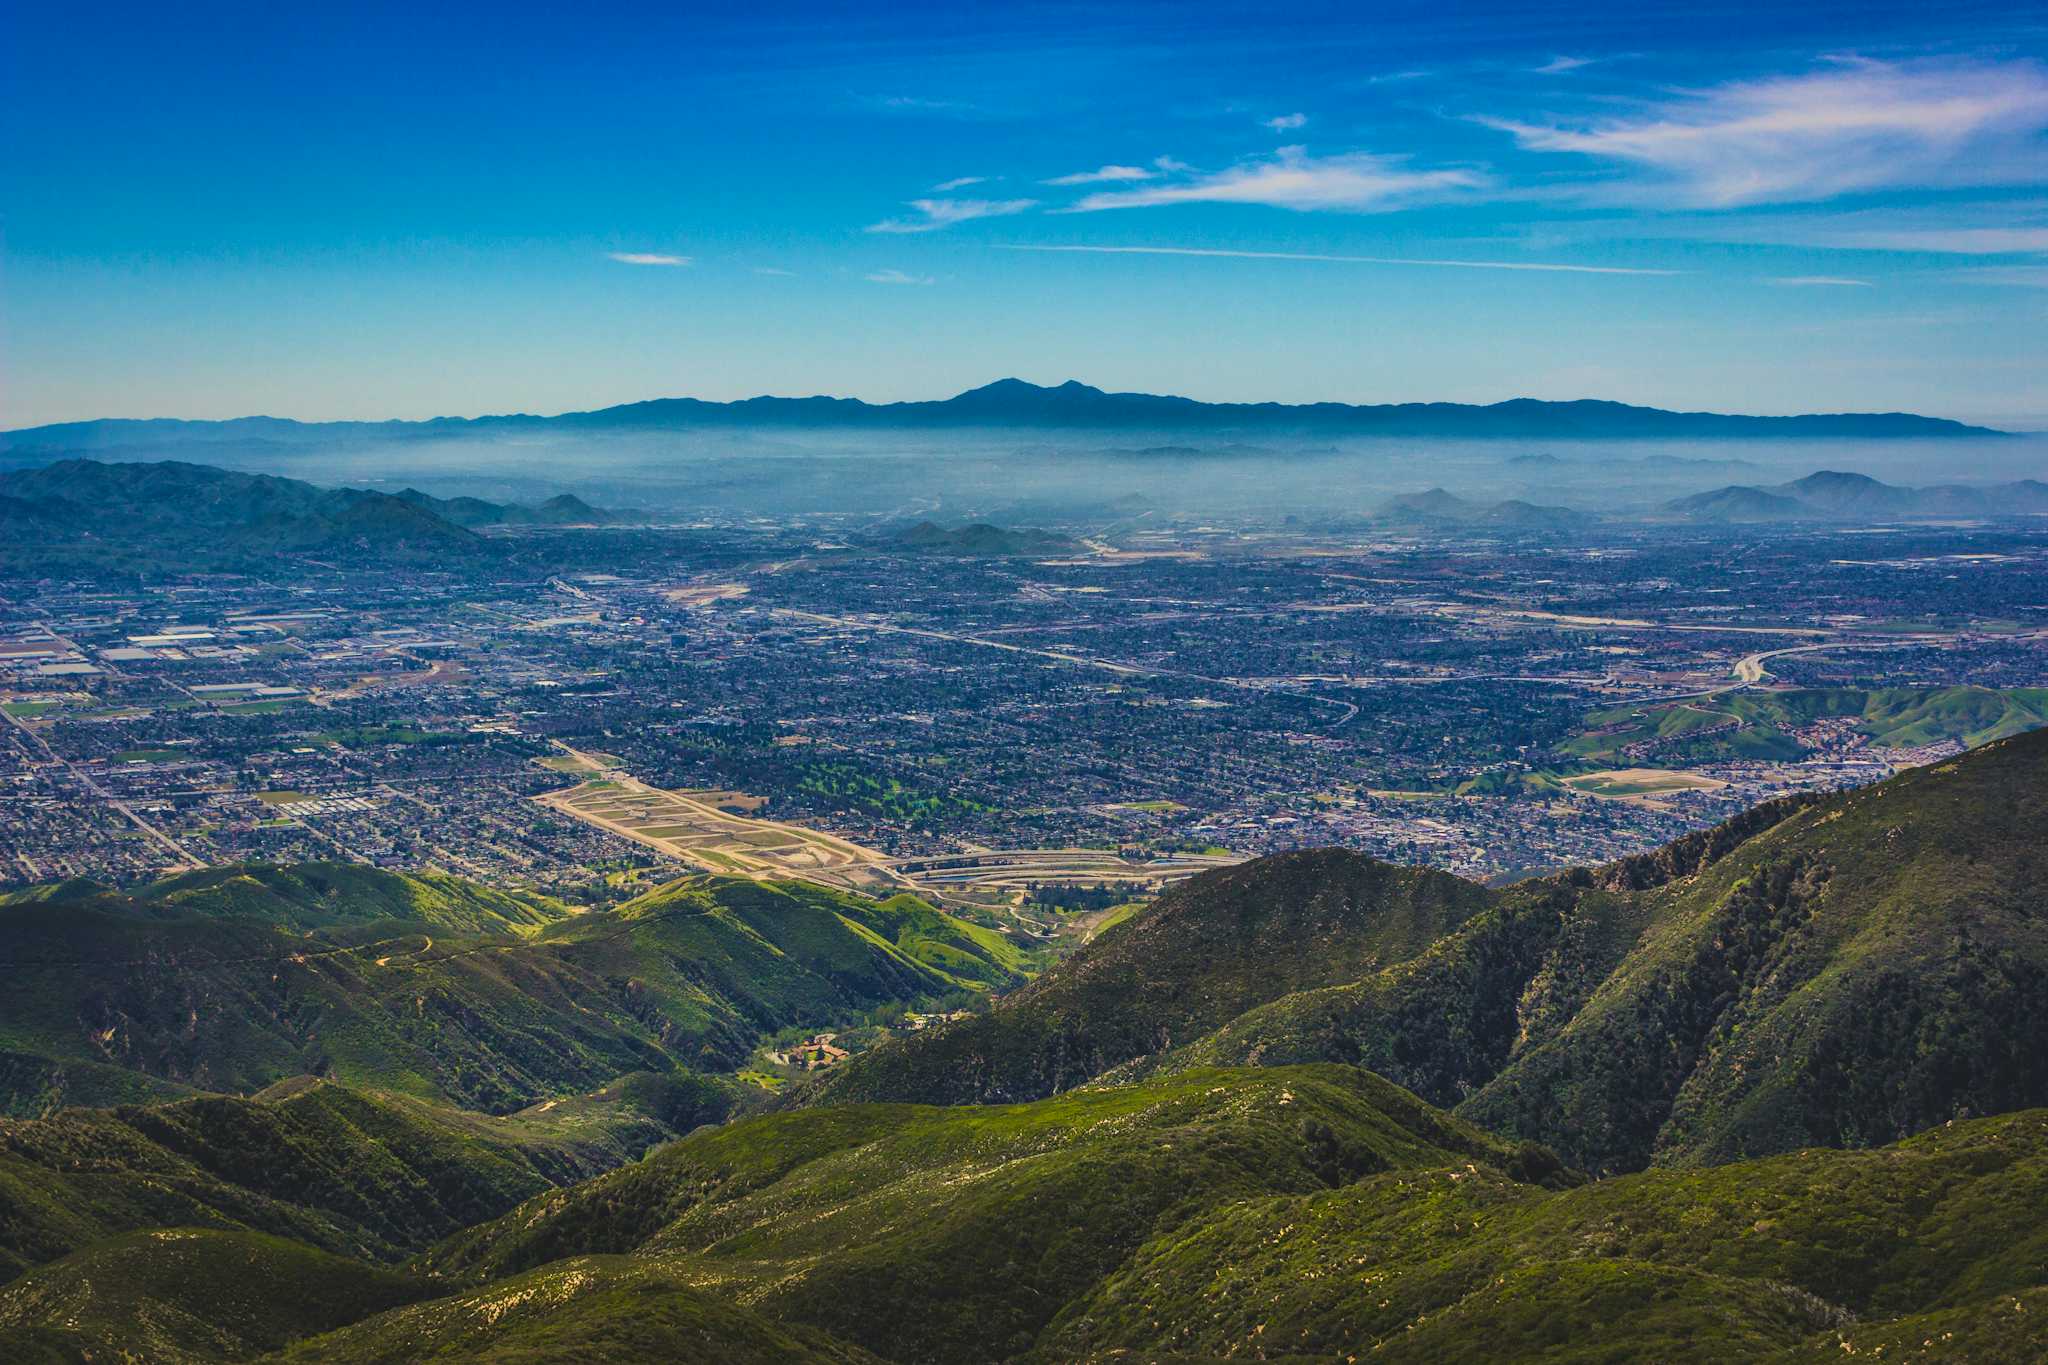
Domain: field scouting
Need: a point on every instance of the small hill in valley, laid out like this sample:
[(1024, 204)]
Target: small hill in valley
[(564, 509), (1739, 502), (980, 539), (1439, 506), (1832, 495)]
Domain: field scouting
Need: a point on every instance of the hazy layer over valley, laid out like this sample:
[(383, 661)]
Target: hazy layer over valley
[(1007, 470)]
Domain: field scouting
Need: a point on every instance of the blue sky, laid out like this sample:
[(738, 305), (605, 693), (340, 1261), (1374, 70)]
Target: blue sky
[(370, 211)]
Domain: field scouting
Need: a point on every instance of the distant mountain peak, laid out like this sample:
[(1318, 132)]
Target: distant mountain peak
[(1013, 390), (1835, 478)]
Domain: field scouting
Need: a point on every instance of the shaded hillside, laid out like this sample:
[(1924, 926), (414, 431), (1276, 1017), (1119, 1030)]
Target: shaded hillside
[(1300, 1213), (955, 1234), (1868, 968), (1208, 950), (134, 515), (1308, 1213), (175, 1295), (354, 1172), (138, 517), (1843, 972), (1818, 1256), (596, 1309), (227, 981)]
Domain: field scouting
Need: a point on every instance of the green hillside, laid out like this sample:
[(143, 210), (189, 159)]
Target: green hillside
[(363, 1174), (1865, 969), (1724, 1100), (1699, 730), (1309, 1213), (227, 981), (1842, 971), (1934, 1246), (946, 1234), (1206, 951), (171, 517), (328, 895), (594, 1309), (187, 1295), (151, 517)]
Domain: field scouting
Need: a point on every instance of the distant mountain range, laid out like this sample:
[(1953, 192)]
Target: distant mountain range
[(1833, 496), (1013, 403), (137, 515)]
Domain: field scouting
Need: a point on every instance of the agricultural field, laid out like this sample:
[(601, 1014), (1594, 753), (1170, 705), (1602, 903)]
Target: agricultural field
[(1640, 784), (701, 828), (716, 831)]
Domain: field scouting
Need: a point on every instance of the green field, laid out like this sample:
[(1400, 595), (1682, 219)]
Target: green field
[(569, 763), (1636, 782), (364, 736)]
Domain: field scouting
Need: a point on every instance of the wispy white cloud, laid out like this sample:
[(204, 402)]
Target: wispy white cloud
[(920, 104), (1284, 123), (772, 270), (1170, 165), (1108, 174), (2018, 276), (943, 213), (960, 182), (1292, 179), (1557, 66), (1852, 126), (896, 277), (646, 258), (1339, 260), (1817, 281), (1958, 241)]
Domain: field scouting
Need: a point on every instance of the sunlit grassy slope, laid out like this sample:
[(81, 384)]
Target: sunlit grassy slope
[(234, 978)]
